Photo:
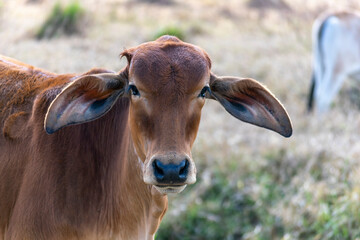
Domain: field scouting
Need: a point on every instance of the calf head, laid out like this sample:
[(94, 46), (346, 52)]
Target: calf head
[(167, 82)]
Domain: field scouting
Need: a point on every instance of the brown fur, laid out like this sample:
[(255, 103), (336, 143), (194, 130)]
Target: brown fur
[(67, 185), (169, 75)]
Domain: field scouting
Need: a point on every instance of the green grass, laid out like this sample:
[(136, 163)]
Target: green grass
[(339, 216), (170, 30), (249, 199), (62, 20)]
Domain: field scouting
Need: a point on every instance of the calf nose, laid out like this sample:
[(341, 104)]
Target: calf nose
[(170, 173)]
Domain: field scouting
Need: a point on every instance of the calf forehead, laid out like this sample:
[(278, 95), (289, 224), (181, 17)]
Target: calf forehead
[(158, 66)]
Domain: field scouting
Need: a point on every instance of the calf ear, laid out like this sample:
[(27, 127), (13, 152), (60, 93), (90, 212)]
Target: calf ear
[(249, 101), (85, 99)]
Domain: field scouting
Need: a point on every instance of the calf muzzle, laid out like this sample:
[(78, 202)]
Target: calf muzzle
[(171, 173)]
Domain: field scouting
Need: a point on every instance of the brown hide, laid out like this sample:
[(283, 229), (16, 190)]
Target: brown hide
[(67, 185)]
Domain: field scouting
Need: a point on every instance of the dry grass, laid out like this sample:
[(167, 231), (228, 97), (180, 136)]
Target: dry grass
[(316, 170)]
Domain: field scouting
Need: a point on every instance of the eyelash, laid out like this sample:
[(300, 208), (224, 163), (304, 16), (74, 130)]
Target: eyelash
[(134, 90), (203, 91)]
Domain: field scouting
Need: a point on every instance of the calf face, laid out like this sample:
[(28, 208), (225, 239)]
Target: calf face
[(167, 82)]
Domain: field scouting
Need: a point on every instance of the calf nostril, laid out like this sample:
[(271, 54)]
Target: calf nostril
[(158, 171), (184, 166), (170, 173)]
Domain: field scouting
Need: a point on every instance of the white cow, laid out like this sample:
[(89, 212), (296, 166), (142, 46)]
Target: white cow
[(336, 55)]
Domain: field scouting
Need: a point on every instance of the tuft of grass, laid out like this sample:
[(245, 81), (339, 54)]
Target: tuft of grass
[(338, 217), (62, 20), (170, 30)]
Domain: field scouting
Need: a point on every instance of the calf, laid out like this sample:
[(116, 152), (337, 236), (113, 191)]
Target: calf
[(93, 156)]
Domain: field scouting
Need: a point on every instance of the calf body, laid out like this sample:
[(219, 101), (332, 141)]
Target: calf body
[(82, 183), (93, 155)]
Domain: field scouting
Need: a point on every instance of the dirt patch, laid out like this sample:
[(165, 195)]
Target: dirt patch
[(268, 4), (158, 2)]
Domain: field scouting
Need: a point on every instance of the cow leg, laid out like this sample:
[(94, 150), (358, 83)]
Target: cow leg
[(31, 217), (18, 227), (328, 89)]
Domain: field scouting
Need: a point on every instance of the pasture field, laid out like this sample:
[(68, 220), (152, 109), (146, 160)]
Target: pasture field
[(252, 183)]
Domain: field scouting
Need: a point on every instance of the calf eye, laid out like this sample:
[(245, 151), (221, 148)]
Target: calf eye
[(134, 90), (203, 91)]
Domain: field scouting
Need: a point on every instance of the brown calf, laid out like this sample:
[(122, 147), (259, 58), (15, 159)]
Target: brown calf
[(126, 145)]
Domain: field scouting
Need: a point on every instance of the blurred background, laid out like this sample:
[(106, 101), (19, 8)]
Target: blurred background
[(252, 183)]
